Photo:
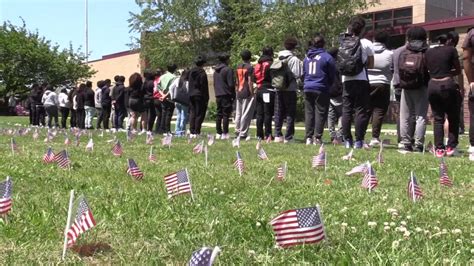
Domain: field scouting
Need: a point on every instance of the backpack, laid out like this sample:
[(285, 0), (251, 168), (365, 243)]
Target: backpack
[(280, 74), (259, 72), (411, 69), (349, 57)]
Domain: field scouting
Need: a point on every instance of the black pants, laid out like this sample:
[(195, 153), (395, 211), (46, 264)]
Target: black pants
[(445, 100), (100, 117), (378, 106), (73, 120), (38, 115), (167, 108), (105, 116), (197, 112), (398, 97), (285, 107), (316, 106), (81, 118), (224, 111), (64, 114), (355, 98), (120, 114), (471, 118), (265, 113), (30, 109), (156, 112), (52, 112)]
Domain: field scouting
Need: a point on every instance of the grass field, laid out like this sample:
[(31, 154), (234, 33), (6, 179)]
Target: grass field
[(143, 227)]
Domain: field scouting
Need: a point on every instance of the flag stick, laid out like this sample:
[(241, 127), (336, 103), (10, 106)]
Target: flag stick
[(214, 254), (413, 187), (151, 151), (322, 220), (325, 161), (5, 216), (11, 145), (286, 170), (424, 147), (68, 223), (205, 154), (190, 185)]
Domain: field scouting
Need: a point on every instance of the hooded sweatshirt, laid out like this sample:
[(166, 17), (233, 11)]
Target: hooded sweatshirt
[(295, 65), (262, 73), (383, 65), (50, 98), (224, 84), (198, 85), (319, 70)]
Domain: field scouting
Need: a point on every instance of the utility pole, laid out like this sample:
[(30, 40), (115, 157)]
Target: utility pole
[(86, 32)]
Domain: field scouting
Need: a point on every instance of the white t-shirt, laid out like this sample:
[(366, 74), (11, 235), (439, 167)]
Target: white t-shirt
[(367, 50)]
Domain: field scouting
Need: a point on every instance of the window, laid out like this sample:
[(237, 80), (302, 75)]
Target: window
[(388, 19)]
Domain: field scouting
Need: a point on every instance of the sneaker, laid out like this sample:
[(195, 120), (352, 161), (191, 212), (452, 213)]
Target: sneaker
[(471, 149), (247, 138), (317, 141), (359, 144), (219, 136), (289, 140), (404, 149), (471, 156), (278, 139), (309, 141), (452, 151), (418, 148), (348, 144), (142, 132), (440, 153), (225, 136), (374, 142)]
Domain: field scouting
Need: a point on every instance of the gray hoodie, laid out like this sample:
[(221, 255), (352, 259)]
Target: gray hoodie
[(295, 65), (50, 98), (382, 72)]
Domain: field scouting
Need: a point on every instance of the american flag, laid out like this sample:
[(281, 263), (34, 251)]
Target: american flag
[(83, 221), (380, 155), (133, 170), (203, 257), (35, 135), (239, 164), (78, 138), (6, 196), (62, 159), (67, 141), (177, 183), (48, 157), (281, 172), (370, 178), (444, 179), (259, 145), (14, 146), (117, 149), (414, 191), (319, 160), (348, 157), (298, 226), (198, 148), (152, 156), (262, 154), (210, 140), (166, 141), (362, 168), (90, 145), (236, 142), (149, 139)]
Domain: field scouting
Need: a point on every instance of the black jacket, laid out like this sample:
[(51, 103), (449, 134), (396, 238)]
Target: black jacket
[(118, 95), (105, 98), (224, 83), (198, 85), (148, 86), (35, 96), (80, 99), (89, 97)]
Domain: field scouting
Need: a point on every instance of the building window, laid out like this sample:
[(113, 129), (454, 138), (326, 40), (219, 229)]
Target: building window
[(388, 19)]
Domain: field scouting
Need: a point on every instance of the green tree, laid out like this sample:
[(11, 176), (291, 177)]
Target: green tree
[(26, 58)]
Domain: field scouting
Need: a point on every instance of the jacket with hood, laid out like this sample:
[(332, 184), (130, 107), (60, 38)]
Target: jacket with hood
[(36, 95), (198, 85), (416, 46), (50, 98), (118, 95), (319, 70), (383, 65), (263, 82), (89, 97), (295, 65), (224, 84), (105, 99)]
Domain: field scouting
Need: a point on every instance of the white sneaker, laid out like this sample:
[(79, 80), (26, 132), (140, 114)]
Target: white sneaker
[(471, 149), (278, 139), (309, 141), (219, 136), (374, 142), (471, 156), (247, 138), (142, 132), (225, 136)]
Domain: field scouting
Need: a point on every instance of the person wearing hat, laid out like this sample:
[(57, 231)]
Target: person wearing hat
[(198, 96)]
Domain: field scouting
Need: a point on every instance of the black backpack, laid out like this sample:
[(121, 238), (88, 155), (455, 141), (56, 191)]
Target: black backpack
[(349, 57), (411, 69)]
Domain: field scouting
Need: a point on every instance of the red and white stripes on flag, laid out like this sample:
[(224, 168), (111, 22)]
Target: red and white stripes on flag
[(262, 155), (414, 190), (67, 141), (90, 145), (48, 157), (117, 149), (281, 172), (133, 170), (444, 179), (210, 140), (198, 148), (319, 160), (298, 226), (178, 183), (370, 178), (84, 221), (239, 164), (62, 159), (362, 168), (6, 196), (152, 156)]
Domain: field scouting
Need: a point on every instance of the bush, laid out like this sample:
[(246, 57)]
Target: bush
[(211, 111)]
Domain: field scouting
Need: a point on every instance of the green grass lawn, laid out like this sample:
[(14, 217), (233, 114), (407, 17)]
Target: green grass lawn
[(143, 226)]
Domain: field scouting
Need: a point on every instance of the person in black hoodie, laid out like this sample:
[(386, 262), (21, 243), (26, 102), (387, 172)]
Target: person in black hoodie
[(224, 88), (89, 105), (148, 85), (106, 102), (265, 97), (118, 100), (73, 108), (199, 96), (35, 99), (79, 100)]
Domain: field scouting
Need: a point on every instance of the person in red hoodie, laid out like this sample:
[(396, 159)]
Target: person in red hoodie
[(265, 97)]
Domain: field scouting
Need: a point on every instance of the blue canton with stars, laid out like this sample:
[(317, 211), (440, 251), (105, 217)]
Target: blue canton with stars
[(201, 257), (182, 177), (308, 217)]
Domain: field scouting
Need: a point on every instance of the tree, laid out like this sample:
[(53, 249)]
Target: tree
[(27, 58)]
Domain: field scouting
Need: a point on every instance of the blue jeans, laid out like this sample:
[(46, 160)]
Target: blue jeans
[(181, 119)]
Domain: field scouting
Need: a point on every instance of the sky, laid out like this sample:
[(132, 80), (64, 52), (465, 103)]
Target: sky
[(63, 22)]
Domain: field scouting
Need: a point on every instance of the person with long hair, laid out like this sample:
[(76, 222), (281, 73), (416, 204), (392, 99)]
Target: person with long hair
[(136, 101), (79, 100)]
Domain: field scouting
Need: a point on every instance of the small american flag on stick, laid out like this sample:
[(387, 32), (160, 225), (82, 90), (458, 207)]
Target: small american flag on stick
[(298, 226), (370, 179), (83, 221), (258, 145), (362, 168), (67, 141), (90, 145), (35, 135), (262, 155), (48, 157), (62, 159), (166, 141), (414, 190), (178, 183), (13, 145), (210, 140), (198, 148), (152, 156), (204, 256), (281, 172), (133, 170), (117, 149), (239, 164), (319, 160), (149, 139), (6, 196), (444, 179)]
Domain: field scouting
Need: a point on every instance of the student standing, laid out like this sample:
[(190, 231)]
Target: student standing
[(224, 88), (136, 101), (182, 109), (245, 94), (335, 103), (354, 57), (468, 58), (97, 102), (50, 103), (73, 107), (118, 101), (265, 98), (167, 106), (148, 85), (199, 96), (106, 102), (64, 106), (380, 77), (319, 72), (79, 100), (89, 105)]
